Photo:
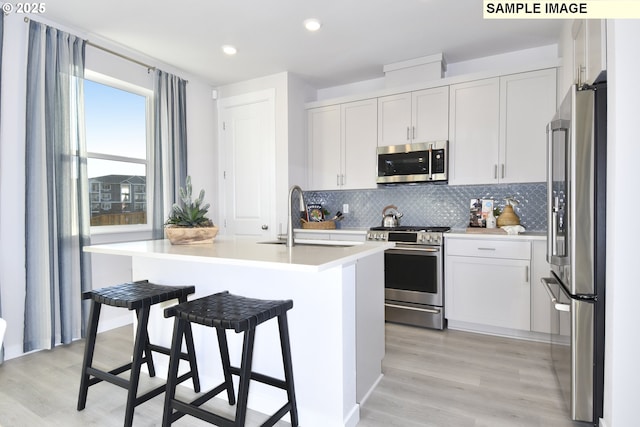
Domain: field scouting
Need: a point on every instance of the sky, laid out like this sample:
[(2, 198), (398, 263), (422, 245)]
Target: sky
[(115, 124)]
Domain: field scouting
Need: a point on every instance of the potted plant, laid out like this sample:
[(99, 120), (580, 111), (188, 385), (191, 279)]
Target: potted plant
[(188, 224)]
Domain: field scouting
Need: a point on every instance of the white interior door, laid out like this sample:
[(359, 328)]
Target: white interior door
[(247, 153)]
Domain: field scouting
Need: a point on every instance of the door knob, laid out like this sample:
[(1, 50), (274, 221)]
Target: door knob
[(265, 227)]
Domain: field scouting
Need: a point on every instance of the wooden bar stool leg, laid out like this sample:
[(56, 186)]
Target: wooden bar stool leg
[(288, 367), (138, 348), (245, 376), (226, 365), (89, 347), (147, 351), (191, 351), (172, 375)]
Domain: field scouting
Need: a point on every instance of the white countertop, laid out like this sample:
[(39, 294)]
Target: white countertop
[(247, 252), (535, 235)]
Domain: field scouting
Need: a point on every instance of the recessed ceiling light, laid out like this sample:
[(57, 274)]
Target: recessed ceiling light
[(312, 24), (229, 50)]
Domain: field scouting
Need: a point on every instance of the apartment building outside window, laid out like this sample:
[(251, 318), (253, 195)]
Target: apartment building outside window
[(117, 134)]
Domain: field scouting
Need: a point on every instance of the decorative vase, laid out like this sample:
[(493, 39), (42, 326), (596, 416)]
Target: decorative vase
[(508, 217), (190, 235)]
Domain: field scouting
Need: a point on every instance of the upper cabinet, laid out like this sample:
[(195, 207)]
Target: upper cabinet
[(410, 117), (589, 49), (497, 128), (342, 146), (474, 132), (527, 104)]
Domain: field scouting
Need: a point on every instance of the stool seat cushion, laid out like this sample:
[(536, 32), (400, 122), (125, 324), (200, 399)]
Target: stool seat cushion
[(227, 311), (135, 295)]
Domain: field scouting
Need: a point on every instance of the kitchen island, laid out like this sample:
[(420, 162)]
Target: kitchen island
[(336, 325)]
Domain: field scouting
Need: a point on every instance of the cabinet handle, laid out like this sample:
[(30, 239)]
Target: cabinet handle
[(338, 180), (495, 171), (413, 132), (343, 179), (486, 249), (502, 167), (526, 274), (408, 133)]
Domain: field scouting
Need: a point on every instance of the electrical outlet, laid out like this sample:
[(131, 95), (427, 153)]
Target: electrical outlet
[(345, 208)]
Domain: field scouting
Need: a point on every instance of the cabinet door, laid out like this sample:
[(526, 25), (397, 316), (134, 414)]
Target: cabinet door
[(527, 103), (579, 34), (359, 136), (474, 132), (596, 39), (324, 147), (394, 119), (430, 115), (589, 49), (488, 291), (541, 309)]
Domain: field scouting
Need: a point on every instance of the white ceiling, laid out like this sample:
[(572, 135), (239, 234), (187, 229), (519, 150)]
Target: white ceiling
[(357, 39)]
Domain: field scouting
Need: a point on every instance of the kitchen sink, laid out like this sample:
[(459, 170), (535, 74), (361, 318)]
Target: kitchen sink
[(311, 242)]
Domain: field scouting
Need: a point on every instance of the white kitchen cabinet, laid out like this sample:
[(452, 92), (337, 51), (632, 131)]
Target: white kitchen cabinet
[(342, 146), (540, 302), (410, 117), (589, 49), (527, 104), (487, 282), (324, 147), (497, 128), (474, 120)]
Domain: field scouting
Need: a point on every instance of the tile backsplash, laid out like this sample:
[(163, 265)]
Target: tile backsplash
[(433, 204)]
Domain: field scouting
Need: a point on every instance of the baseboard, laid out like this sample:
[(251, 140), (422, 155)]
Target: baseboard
[(370, 391)]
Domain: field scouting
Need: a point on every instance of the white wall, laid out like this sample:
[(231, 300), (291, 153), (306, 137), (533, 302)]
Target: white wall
[(539, 56), (291, 94), (12, 182), (622, 375), (201, 134)]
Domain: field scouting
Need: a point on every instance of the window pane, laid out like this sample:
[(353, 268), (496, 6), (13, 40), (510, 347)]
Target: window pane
[(118, 192), (115, 121)]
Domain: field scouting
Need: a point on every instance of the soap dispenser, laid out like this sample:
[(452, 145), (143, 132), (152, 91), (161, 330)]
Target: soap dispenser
[(491, 220)]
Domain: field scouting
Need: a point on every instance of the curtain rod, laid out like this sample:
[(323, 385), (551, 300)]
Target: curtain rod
[(119, 55)]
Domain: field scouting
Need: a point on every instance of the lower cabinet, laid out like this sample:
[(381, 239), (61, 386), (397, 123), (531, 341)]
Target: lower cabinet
[(488, 282), (493, 286)]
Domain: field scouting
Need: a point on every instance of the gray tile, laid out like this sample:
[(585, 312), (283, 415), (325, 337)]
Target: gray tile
[(434, 204)]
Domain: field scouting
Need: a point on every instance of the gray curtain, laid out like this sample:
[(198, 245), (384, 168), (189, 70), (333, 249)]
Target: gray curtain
[(169, 160), (56, 210), (1, 38)]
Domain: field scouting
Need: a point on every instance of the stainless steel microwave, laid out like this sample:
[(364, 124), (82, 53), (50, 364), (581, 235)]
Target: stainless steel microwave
[(409, 163)]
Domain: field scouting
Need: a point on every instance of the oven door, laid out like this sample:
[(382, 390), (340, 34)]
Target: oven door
[(414, 275)]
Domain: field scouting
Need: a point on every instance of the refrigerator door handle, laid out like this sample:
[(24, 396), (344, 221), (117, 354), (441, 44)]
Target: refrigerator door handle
[(547, 281), (559, 125)]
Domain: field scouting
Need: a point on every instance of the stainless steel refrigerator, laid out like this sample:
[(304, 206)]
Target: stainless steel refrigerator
[(576, 203)]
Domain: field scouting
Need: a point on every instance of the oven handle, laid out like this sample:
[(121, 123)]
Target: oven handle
[(547, 281), (404, 307), (413, 248)]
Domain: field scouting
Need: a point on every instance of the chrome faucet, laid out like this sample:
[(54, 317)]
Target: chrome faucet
[(303, 208)]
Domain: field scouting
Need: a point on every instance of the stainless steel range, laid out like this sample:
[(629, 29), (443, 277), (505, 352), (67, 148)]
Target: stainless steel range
[(414, 274)]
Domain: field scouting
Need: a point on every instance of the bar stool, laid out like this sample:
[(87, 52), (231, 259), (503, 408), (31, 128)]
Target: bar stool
[(227, 311), (139, 296)]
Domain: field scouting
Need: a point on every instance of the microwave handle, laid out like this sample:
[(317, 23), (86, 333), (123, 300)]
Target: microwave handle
[(430, 162)]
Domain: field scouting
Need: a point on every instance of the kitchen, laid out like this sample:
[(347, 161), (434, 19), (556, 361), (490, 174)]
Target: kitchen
[(620, 64)]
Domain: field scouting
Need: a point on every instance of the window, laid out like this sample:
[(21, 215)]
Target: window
[(116, 123)]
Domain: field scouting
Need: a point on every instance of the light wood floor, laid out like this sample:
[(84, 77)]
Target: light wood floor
[(432, 378)]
